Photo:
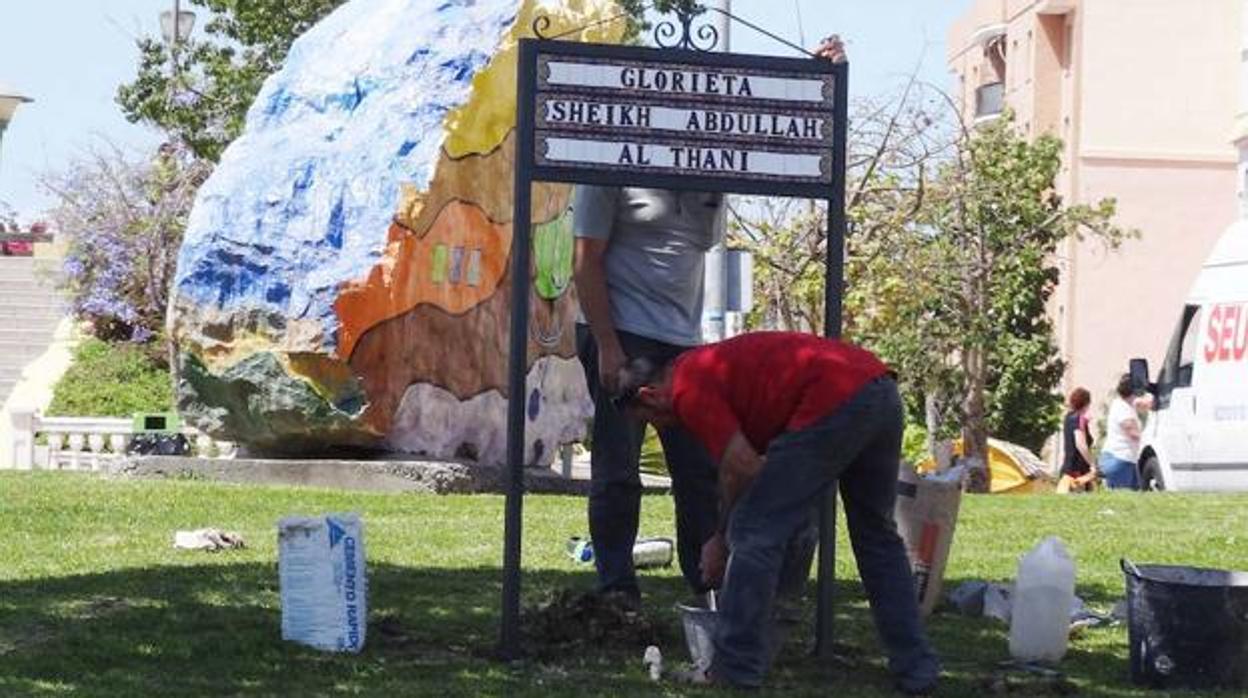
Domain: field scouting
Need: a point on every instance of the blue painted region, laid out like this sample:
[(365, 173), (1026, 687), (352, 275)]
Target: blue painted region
[(535, 404), (337, 221), (277, 103), (278, 293), (301, 202), (463, 67), (351, 404)]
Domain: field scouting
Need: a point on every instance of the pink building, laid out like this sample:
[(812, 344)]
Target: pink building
[(1144, 94)]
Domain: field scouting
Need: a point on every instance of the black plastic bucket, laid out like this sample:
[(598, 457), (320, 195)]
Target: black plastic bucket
[(1187, 627)]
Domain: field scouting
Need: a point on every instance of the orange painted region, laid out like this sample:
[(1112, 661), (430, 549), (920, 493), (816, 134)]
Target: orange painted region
[(455, 266)]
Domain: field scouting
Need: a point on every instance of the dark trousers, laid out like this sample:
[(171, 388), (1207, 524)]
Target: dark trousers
[(859, 444), (615, 483)]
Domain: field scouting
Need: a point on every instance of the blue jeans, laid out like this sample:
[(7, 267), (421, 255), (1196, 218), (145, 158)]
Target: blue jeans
[(859, 444), (615, 478), (1118, 474)]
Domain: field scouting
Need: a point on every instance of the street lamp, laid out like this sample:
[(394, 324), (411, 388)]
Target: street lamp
[(175, 31), (10, 100)]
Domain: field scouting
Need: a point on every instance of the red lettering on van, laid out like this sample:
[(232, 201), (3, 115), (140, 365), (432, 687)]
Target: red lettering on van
[(1227, 334), (1241, 342), (1230, 319), (1214, 334)]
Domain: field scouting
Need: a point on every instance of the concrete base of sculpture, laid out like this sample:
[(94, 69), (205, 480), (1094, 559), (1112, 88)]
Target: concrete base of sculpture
[(419, 476)]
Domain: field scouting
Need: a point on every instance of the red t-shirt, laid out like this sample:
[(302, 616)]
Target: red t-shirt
[(766, 383)]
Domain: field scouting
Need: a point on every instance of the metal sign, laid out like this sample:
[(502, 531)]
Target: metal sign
[(668, 119), (704, 121)]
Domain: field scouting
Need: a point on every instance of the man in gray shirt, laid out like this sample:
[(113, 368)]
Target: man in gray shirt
[(640, 257)]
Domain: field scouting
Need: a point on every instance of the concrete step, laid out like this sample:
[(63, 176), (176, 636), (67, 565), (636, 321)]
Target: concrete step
[(32, 296), (21, 347), (41, 331), (28, 285), (13, 311), (43, 274)]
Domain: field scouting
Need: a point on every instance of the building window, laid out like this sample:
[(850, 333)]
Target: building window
[(989, 100)]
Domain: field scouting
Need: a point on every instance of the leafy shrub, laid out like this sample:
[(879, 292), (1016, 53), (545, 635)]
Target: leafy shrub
[(112, 380)]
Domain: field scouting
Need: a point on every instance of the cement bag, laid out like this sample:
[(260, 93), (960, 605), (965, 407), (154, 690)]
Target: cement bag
[(927, 513), (323, 582)]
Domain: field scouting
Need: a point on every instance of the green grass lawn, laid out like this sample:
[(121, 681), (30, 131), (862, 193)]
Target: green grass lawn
[(95, 602)]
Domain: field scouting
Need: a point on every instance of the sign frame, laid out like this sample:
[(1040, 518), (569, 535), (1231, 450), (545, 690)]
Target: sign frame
[(528, 170)]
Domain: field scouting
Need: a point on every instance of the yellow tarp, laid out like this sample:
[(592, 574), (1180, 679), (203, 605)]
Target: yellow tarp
[(1013, 468)]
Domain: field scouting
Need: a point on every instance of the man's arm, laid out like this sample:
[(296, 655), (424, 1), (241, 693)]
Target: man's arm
[(593, 217), (591, 289), (740, 465), (737, 471)]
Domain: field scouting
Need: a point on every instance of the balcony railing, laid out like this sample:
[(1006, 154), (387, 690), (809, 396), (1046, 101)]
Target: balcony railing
[(989, 100)]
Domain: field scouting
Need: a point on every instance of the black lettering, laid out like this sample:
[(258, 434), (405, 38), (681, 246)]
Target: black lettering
[(775, 126), (593, 115), (731, 82), (626, 156), (812, 128), (641, 155), (693, 124), (576, 112), (678, 82), (712, 121), (727, 160), (558, 111), (745, 161), (660, 81), (712, 83), (677, 152), (794, 131), (643, 117), (628, 77), (744, 90)]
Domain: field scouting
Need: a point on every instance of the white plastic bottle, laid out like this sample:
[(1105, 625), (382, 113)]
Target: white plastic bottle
[(1044, 592)]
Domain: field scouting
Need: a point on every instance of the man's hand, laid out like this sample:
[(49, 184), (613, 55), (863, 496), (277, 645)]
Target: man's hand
[(832, 48), (714, 561), (611, 360)]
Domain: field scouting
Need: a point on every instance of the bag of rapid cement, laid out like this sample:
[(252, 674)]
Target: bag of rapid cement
[(927, 514), (324, 587)]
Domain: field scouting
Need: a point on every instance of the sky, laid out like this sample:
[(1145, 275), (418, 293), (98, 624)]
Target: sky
[(71, 55)]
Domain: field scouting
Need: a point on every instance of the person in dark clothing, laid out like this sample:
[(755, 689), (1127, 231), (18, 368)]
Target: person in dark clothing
[(1078, 473), (785, 415)]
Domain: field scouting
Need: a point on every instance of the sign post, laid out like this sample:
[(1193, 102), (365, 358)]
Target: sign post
[(668, 119)]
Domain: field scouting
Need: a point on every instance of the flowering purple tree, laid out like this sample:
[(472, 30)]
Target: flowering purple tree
[(123, 219)]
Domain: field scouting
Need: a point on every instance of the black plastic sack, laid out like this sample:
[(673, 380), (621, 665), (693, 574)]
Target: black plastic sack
[(1187, 627), (159, 445)]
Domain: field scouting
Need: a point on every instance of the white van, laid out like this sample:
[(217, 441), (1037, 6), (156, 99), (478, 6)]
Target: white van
[(1197, 436)]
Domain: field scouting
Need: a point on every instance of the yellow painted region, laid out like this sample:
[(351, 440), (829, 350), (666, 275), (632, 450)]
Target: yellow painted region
[(327, 376), (221, 357), (482, 123)]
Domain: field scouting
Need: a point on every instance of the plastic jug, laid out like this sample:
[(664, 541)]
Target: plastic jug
[(1043, 594)]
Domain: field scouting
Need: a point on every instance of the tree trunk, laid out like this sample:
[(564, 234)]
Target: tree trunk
[(975, 428), (931, 419)]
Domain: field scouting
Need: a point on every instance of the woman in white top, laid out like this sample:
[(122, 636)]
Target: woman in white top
[(1121, 449)]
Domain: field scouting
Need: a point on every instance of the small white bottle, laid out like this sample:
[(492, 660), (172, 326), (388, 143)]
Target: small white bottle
[(1044, 592)]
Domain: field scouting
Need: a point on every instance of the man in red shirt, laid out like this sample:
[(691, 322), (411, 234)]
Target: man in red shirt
[(785, 415)]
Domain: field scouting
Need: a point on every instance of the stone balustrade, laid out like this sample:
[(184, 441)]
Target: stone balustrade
[(84, 443)]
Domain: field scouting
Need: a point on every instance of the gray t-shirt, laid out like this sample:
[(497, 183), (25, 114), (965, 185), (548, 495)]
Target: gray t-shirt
[(657, 243)]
